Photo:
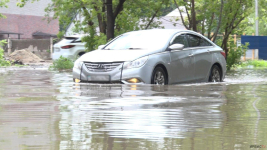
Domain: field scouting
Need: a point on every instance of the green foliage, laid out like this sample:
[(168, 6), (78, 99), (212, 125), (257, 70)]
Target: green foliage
[(235, 54), (3, 62), (134, 13), (62, 64), (3, 4), (254, 63), (262, 17)]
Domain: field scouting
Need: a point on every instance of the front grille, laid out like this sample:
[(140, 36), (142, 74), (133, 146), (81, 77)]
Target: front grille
[(101, 67)]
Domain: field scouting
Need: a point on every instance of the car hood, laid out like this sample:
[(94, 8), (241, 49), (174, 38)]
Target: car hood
[(115, 55)]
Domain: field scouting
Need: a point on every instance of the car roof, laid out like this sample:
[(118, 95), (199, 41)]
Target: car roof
[(166, 31)]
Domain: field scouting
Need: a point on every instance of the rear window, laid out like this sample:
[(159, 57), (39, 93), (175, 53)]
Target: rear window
[(67, 40)]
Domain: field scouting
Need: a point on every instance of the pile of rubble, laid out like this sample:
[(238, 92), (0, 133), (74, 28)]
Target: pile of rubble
[(24, 57)]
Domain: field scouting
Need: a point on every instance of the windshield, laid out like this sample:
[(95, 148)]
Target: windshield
[(139, 40)]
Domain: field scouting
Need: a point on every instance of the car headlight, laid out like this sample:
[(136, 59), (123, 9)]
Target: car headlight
[(78, 64), (137, 63)]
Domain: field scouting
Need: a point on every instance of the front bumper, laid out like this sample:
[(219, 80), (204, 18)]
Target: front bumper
[(118, 75)]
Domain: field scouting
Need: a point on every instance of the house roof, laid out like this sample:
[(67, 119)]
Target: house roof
[(43, 34), (171, 22), (176, 13), (7, 32), (37, 8)]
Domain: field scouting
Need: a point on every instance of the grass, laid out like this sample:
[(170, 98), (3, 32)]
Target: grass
[(254, 64), (62, 64)]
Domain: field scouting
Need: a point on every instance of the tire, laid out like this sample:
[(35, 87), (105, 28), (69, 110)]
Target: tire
[(80, 54), (215, 74), (159, 77)]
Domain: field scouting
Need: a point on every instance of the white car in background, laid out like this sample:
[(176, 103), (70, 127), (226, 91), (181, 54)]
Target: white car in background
[(69, 47)]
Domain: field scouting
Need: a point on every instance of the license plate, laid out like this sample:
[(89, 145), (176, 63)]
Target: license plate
[(98, 78)]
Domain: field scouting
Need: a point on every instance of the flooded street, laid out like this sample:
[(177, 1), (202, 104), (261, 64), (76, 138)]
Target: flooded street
[(46, 110)]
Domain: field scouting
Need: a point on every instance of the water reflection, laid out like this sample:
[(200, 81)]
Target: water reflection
[(28, 111), (44, 110), (140, 111)]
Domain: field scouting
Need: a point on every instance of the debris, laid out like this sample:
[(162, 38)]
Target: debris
[(24, 57)]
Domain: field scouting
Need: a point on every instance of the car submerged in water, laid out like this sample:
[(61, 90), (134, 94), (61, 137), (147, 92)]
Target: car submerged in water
[(158, 56)]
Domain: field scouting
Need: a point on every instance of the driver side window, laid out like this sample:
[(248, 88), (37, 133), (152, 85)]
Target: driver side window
[(181, 39)]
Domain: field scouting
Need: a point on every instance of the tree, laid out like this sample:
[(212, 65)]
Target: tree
[(3, 62), (214, 16), (112, 17), (250, 20), (234, 12)]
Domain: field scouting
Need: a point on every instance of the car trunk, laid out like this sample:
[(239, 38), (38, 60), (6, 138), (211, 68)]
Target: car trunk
[(65, 41)]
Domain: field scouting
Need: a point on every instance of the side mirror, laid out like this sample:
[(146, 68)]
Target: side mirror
[(101, 46), (176, 47)]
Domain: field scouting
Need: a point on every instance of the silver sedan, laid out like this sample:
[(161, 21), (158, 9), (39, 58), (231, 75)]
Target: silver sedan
[(158, 56)]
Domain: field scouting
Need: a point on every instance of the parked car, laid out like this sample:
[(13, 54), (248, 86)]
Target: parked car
[(69, 47), (158, 56)]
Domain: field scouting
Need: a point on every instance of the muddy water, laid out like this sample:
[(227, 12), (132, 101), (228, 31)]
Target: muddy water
[(46, 110)]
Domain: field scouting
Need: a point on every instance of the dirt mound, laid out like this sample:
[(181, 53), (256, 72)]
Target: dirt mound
[(24, 57)]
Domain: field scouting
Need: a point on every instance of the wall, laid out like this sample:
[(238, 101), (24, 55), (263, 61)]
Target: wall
[(27, 25), (40, 47)]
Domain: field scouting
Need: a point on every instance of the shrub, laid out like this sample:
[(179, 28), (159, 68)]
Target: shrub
[(3, 62), (234, 54), (62, 64), (254, 63)]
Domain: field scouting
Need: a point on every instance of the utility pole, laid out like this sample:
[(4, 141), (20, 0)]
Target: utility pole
[(257, 20)]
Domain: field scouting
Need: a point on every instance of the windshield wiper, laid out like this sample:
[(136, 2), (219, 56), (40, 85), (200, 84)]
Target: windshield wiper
[(133, 48)]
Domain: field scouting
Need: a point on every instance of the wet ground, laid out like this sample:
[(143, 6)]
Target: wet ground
[(46, 110)]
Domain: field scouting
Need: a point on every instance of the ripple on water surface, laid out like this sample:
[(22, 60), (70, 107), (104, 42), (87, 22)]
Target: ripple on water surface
[(41, 109)]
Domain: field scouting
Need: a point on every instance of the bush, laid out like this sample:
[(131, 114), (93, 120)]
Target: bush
[(62, 64), (235, 53), (254, 63), (3, 62)]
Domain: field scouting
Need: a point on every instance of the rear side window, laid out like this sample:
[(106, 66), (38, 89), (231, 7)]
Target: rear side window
[(181, 39), (204, 42), (196, 41), (193, 40)]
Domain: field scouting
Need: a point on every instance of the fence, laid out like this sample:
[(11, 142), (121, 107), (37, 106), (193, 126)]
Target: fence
[(251, 54), (259, 44)]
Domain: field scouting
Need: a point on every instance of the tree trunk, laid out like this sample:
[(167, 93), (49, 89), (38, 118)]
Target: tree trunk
[(104, 22), (181, 15), (110, 20), (224, 44), (219, 23), (152, 18), (193, 14), (101, 18)]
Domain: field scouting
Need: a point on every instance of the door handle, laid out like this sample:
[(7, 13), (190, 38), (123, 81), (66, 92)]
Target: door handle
[(190, 55), (208, 51)]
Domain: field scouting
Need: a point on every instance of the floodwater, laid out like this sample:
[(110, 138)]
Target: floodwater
[(46, 110)]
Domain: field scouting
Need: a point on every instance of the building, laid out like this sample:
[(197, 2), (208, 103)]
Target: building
[(27, 22)]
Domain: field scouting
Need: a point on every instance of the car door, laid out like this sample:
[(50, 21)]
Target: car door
[(202, 56), (182, 67)]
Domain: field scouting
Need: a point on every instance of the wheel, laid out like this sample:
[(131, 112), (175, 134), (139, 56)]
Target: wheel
[(159, 77), (80, 54), (215, 74)]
